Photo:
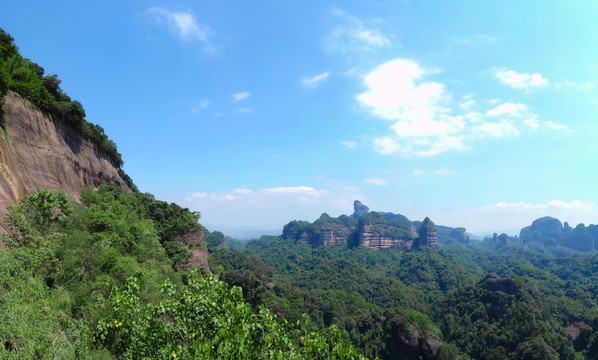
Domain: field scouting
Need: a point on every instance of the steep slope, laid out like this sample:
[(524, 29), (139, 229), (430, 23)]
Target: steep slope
[(37, 151)]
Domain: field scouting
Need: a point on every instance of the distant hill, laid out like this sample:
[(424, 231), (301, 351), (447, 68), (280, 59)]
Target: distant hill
[(374, 229), (548, 231)]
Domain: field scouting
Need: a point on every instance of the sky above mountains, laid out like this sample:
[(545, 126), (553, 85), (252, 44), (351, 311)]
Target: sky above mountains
[(474, 113)]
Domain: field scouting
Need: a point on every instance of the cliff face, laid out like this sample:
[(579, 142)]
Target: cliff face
[(377, 236), (37, 151), (199, 250), (332, 234), (428, 234)]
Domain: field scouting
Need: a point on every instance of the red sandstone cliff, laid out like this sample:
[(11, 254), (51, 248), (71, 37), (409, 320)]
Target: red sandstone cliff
[(37, 151)]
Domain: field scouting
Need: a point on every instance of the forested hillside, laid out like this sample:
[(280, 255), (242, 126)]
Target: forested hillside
[(96, 281), (482, 300)]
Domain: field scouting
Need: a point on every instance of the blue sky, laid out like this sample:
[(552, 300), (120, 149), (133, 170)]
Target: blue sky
[(474, 113)]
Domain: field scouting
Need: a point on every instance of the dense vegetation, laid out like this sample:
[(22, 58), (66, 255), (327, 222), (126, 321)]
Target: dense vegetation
[(93, 281), (28, 80), (482, 302)]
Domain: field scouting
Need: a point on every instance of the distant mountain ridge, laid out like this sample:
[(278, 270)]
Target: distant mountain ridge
[(377, 230), (549, 231)]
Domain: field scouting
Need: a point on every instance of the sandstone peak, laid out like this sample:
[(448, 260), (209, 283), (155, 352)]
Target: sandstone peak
[(359, 209)]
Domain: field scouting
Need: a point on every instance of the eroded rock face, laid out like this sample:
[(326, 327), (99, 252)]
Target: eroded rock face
[(412, 346), (373, 235), (36, 152), (359, 209), (332, 234), (460, 235), (196, 245), (428, 234)]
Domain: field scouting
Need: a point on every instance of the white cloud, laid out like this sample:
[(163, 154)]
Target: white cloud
[(481, 39), (509, 109), (532, 123), (551, 205), (467, 102), (353, 35), (183, 25), (421, 112), (520, 81), (568, 84), (558, 127), (387, 145), (316, 80), (197, 195), (376, 181), (297, 190), (240, 96), (350, 144), (423, 127), (496, 130), (246, 207), (244, 110), (204, 103), (443, 171), (509, 216)]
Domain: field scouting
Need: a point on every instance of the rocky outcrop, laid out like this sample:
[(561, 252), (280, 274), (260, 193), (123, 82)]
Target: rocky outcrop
[(324, 231), (37, 151), (493, 282), (428, 235), (377, 236), (412, 346), (549, 231), (332, 234), (198, 248), (459, 235), (359, 209), (381, 231), (376, 230)]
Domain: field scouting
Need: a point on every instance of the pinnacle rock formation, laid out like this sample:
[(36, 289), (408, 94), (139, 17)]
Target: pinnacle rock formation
[(428, 234)]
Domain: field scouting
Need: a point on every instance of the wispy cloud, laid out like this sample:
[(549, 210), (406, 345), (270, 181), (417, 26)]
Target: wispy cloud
[(240, 96), (507, 112), (244, 110), (481, 39), (520, 81), (183, 24), (204, 103), (352, 34), (511, 215), (422, 113), (441, 171), (315, 81), (282, 203), (568, 84), (376, 181), (554, 204), (350, 144)]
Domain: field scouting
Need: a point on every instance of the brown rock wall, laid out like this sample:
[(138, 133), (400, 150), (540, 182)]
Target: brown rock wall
[(332, 234), (370, 236), (36, 152), (196, 245)]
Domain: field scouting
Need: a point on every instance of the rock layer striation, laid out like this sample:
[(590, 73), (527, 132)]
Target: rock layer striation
[(37, 151)]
